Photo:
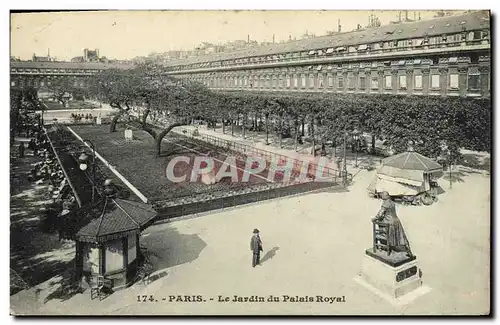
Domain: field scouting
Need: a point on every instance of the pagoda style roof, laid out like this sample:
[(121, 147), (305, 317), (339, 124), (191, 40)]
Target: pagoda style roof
[(119, 218), (409, 165)]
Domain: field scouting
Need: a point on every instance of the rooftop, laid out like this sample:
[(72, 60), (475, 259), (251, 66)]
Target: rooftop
[(443, 25), (69, 65)]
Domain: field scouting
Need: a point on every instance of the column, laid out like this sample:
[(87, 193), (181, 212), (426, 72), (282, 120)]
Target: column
[(395, 81), (426, 83), (355, 76), (381, 81), (462, 80), (409, 81), (484, 72), (102, 258), (443, 80), (125, 253)]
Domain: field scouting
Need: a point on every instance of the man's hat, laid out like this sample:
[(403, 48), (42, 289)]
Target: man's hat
[(256, 231)]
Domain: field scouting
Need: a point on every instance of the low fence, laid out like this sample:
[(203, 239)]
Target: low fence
[(297, 164), (171, 209)]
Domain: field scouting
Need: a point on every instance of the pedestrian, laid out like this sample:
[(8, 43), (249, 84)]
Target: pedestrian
[(256, 247)]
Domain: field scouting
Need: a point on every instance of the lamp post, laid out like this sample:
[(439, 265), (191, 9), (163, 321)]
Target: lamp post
[(355, 136), (84, 165)]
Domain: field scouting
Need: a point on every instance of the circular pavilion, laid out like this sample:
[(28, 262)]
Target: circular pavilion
[(108, 246)]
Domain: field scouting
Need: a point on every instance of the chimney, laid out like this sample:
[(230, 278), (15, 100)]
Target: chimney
[(340, 26), (248, 38), (48, 53), (406, 15), (273, 38)]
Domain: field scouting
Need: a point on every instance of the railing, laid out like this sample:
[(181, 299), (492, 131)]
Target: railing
[(271, 157), (224, 199)]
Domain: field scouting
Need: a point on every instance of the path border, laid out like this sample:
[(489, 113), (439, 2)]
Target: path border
[(117, 174)]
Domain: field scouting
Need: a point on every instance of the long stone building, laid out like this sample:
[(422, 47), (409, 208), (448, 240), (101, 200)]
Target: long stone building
[(447, 56), (42, 74)]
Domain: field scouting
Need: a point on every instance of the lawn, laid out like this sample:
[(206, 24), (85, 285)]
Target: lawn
[(74, 104), (137, 162)]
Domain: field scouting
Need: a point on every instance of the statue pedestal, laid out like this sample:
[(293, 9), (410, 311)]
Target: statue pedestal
[(98, 120), (395, 275), (129, 135), (208, 178)]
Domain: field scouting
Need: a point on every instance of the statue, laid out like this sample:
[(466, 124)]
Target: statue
[(390, 266), (390, 229)]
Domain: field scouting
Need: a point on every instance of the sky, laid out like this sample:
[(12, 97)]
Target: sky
[(127, 34)]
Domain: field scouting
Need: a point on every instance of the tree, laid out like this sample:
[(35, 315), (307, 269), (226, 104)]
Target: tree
[(61, 89), (118, 88)]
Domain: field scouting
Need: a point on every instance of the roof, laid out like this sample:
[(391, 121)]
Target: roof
[(409, 165), (69, 65), (439, 26), (413, 161), (119, 218)]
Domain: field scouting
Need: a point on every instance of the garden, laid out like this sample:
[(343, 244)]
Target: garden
[(136, 160)]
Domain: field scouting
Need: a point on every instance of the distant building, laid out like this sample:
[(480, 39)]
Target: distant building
[(91, 55), (77, 59), (47, 58)]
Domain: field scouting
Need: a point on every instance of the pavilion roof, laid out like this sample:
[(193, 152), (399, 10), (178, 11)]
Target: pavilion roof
[(119, 218)]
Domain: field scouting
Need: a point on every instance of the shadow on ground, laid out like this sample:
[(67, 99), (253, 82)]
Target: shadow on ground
[(474, 160), (166, 247), (35, 256), (269, 254)]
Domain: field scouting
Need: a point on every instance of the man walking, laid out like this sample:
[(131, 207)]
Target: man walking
[(256, 247)]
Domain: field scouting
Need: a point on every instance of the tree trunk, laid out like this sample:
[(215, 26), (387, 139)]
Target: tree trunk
[(303, 126), (232, 127), (145, 116), (163, 133), (296, 128), (112, 126), (373, 143), (223, 125), (281, 131), (267, 129), (243, 125), (313, 137)]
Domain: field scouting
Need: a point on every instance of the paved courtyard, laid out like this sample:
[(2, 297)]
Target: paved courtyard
[(313, 245)]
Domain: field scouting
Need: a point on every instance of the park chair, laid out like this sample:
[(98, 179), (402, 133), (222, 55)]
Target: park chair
[(100, 287), (380, 233)]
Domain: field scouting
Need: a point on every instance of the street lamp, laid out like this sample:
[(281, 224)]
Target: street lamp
[(355, 136), (84, 165)]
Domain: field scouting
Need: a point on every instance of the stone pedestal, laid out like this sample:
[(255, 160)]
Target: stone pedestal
[(129, 135), (98, 120), (394, 275), (208, 178)]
